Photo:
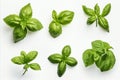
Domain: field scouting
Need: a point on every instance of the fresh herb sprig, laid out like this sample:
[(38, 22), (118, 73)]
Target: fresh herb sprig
[(100, 54), (64, 18), (63, 60), (25, 59), (94, 15), (22, 23)]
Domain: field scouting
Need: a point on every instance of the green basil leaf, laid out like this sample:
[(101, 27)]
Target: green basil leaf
[(12, 20), (65, 17), (31, 56), (91, 19), (61, 68), (106, 10), (19, 34), (26, 12), (71, 61), (66, 51), (88, 11), (54, 15), (34, 25), (18, 60), (96, 56), (88, 57), (35, 66), (107, 46), (55, 29), (55, 58), (98, 46), (103, 23), (97, 9), (106, 61), (26, 66)]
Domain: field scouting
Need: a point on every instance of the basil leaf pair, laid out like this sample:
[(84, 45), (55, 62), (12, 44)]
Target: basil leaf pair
[(63, 60), (22, 23), (55, 27), (95, 16), (25, 59), (100, 54)]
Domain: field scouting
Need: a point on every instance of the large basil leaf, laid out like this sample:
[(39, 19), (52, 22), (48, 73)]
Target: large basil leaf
[(65, 17), (19, 34), (34, 25), (88, 11), (55, 58), (106, 61), (18, 60), (26, 12), (55, 29), (31, 56), (106, 10), (61, 68), (12, 20), (88, 57), (103, 23), (71, 61)]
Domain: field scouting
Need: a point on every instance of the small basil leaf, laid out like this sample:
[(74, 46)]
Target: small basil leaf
[(88, 11), (26, 12), (66, 51), (107, 46), (18, 60), (31, 56), (91, 19), (97, 9), (26, 66), (96, 56), (35, 66), (55, 58), (103, 23), (71, 61), (55, 29), (34, 25), (98, 46), (106, 10), (88, 57), (54, 15), (65, 17), (12, 20), (19, 34), (61, 68), (106, 62)]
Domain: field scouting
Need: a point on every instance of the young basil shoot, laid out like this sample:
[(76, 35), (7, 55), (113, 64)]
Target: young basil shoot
[(23, 22), (25, 59), (55, 27), (95, 16), (100, 54), (63, 60)]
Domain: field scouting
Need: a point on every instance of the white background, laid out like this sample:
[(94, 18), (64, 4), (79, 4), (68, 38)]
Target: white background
[(77, 34)]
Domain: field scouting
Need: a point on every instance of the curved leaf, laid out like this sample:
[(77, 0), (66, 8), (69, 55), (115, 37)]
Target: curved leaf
[(18, 60), (66, 51), (71, 61), (91, 19), (35, 66), (97, 9), (12, 20), (34, 25)]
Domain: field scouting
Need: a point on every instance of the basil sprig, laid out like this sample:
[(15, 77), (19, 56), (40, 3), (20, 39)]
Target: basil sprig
[(100, 54), (64, 18), (22, 23), (95, 16), (25, 59), (63, 60)]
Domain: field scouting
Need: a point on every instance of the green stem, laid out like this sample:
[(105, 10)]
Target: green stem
[(24, 71), (96, 22)]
